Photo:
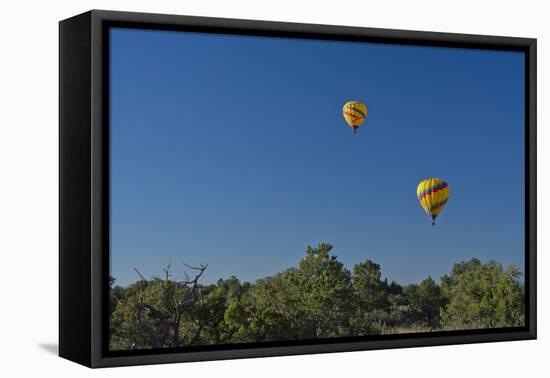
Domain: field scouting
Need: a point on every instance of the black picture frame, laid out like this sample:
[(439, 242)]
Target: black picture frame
[(84, 187)]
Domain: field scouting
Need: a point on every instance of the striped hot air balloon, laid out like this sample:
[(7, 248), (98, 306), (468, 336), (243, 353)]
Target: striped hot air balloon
[(354, 113), (433, 194)]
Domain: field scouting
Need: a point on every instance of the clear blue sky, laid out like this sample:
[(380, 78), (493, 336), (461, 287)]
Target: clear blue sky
[(232, 151)]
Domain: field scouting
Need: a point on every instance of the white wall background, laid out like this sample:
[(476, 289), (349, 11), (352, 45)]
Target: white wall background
[(29, 186)]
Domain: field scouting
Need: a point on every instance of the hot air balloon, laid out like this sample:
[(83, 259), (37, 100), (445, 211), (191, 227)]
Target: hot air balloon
[(433, 194), (354, 113)]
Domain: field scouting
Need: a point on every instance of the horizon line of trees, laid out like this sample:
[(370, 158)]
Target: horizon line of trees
[(320, 298)]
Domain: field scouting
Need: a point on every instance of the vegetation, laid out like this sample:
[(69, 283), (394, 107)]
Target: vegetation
[(318, 299)]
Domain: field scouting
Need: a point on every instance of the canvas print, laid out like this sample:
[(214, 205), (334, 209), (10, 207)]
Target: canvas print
[(272, 190)]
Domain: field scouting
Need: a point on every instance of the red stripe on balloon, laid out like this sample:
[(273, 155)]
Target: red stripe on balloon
[(433, 190)]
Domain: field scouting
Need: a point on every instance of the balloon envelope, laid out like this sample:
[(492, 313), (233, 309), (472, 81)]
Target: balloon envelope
[(433, 194), (354, 113)]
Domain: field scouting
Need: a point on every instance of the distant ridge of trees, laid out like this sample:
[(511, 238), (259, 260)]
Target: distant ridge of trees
[(318, 299)]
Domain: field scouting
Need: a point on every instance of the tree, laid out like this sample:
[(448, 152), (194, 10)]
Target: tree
[(371, 292), (371, 299), (311, 301), (425, 303), (325, 290), (211, 313), (482, 296), (116, 293), (275, 310), (151, 314), (319, 298)]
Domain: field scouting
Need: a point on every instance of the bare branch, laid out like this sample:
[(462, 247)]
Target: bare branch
[(201, 268), (140, 275), (167, 270), (188, 281)]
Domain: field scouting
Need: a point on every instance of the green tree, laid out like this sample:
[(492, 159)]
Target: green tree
[(371, 299), (324, 287), (276, 310), (370, 291), (425, 302), (482, 296), (310, 301), (211, 314)]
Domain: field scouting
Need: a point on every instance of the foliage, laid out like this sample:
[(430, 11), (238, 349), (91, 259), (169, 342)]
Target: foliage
[(482, 296), (425, 302), (319, 298)]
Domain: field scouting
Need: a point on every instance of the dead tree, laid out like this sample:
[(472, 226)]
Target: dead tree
[(160, 305)]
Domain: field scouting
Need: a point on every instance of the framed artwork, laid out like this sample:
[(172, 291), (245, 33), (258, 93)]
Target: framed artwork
[(234, 188)]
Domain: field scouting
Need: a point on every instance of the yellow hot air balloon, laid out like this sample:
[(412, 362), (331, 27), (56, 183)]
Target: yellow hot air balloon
[(354, 113), (433, 194)]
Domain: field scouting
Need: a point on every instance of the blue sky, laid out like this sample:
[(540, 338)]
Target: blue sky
[(232, 151)]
